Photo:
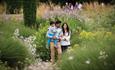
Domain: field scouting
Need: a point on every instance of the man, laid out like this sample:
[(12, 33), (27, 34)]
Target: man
[(58, 45)]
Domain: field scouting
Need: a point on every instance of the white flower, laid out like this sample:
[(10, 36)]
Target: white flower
[(88, 62), (105, 63), (16, 32), (24, 40), (28, 41), (69, 49), (27, 58), (34, 45), (103, 55), (34, 37), (102, 52), (106, 55), (100, 57), (71, 58), (21, 37)]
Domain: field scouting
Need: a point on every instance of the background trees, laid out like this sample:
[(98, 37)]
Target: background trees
[(29, 7), (13, 6), (62, 2), (29, 10)]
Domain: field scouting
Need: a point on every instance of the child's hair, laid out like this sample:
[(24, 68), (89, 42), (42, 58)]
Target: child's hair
[(52, 22)]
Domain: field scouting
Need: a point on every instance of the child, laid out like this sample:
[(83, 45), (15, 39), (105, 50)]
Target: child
[(51, 33)]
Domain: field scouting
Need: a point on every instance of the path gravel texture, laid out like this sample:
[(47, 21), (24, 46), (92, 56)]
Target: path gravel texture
[(42, 66)]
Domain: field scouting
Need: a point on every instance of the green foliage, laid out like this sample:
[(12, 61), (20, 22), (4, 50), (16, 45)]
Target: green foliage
[(99, 18), (88, 39), (91, 53), (12, 50), (4, 67), (42, 48), (113, 1), (41, 40), (7, 30), (93, 43)]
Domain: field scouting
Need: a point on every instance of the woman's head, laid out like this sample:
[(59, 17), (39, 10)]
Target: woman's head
[(65, 27)]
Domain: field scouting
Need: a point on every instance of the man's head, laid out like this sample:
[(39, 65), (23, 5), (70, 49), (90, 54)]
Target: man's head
[(52, 23), (58, 23)]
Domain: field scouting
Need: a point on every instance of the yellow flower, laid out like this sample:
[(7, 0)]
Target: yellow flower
[(83, 34), (87, 35), (109, 33), (70, 58), (70, 50), (92, 35)]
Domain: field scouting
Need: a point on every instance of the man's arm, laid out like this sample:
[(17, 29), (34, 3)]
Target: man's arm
[(59, 35), (48, 35)]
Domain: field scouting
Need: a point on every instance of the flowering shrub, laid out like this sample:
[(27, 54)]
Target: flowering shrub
[(95, 35), (4, 66), (29, 41), (17, 49), (103, 55), (93, 42), (90, 54), (42, 48)]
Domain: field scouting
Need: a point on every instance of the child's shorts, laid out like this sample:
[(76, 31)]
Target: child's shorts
[(51, 40)]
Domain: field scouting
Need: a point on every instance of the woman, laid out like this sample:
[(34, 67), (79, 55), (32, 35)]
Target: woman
[(65, 42)]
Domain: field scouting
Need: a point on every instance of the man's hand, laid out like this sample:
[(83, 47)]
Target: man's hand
[(54, 37), (61, 35)]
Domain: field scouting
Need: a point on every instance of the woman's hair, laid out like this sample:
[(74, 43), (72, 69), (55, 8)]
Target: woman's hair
[(66, 28)]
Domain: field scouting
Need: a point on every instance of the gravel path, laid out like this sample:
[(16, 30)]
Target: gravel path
[(42, 66)]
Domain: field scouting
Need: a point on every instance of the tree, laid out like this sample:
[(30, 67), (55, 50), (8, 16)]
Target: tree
[(113, 1), (13, 6), (29, 10), (62, 2)]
